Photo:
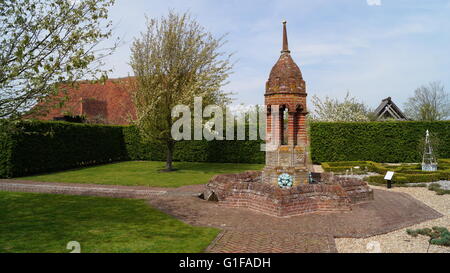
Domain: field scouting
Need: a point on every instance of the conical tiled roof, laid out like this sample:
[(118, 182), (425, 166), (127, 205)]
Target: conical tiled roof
[(285, 76)]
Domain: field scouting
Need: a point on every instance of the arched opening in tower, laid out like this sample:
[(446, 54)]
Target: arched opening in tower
[(285, 126)]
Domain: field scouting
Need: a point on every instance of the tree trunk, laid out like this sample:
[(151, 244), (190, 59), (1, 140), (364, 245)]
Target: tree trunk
[(170, 147)]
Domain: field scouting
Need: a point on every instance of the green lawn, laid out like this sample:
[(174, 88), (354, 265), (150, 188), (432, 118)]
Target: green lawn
[(32, 222), (145, 173)]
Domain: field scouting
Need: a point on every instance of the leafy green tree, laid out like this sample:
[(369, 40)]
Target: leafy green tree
[(46, 43), (430, 103), (175, 60)]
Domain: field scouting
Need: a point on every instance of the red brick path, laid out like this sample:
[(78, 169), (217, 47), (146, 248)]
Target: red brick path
[(79, 189), (139, 192), (233, 241), (249, 231)]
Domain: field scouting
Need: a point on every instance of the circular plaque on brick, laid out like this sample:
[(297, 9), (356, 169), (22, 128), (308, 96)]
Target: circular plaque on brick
[(285, 181)]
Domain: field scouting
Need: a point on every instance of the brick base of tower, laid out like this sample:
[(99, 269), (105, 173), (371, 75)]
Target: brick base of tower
[(245, 190), (286, 159)]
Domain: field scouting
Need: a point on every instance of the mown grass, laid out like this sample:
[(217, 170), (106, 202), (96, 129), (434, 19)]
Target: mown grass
[(145, 173), (32, 222)]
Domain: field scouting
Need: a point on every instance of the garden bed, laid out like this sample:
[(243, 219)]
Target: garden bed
[(404, 173)]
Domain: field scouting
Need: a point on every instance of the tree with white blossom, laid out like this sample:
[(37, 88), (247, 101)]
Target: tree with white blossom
[(333, 110)]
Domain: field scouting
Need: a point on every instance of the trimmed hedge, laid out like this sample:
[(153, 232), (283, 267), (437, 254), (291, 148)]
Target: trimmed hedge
[(342, 167), (389, 142), (411, 178), (194, 151), (6, 149), (29, 147)]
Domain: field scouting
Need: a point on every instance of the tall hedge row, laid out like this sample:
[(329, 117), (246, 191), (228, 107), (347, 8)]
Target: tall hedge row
[(375, 141), (6, 148), (35, 147), (195, 150), (30, 147)]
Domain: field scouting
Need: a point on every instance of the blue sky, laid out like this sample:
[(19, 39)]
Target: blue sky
[(371, 48)]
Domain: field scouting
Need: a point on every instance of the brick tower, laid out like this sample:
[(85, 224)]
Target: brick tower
[(286, 136)]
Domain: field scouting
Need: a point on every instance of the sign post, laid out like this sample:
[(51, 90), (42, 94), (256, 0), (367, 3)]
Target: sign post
[(388, 177)]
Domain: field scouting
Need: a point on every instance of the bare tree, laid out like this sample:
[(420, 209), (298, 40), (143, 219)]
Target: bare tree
[(45, 43), (430, 103), (174, 60)]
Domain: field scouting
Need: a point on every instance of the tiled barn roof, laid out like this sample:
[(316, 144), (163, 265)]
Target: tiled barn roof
[(109, 102)]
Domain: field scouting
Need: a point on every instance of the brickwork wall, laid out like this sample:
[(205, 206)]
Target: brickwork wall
[(302, 135), (246, 191), (356, 189), (296, 106)]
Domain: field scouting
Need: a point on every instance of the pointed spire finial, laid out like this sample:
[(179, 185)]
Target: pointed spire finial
[(285, 39)]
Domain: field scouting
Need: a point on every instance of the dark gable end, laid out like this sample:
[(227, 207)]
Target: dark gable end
[(388, 109)]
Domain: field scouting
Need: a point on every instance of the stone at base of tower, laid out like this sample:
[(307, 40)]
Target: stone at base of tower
[(289, 160), (299, 177)]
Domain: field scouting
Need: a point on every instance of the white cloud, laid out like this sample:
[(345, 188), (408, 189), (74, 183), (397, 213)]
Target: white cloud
[(374, 2)]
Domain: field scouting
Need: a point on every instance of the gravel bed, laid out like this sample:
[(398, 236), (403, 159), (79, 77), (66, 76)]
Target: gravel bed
[(399, 241), (445, 185)]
